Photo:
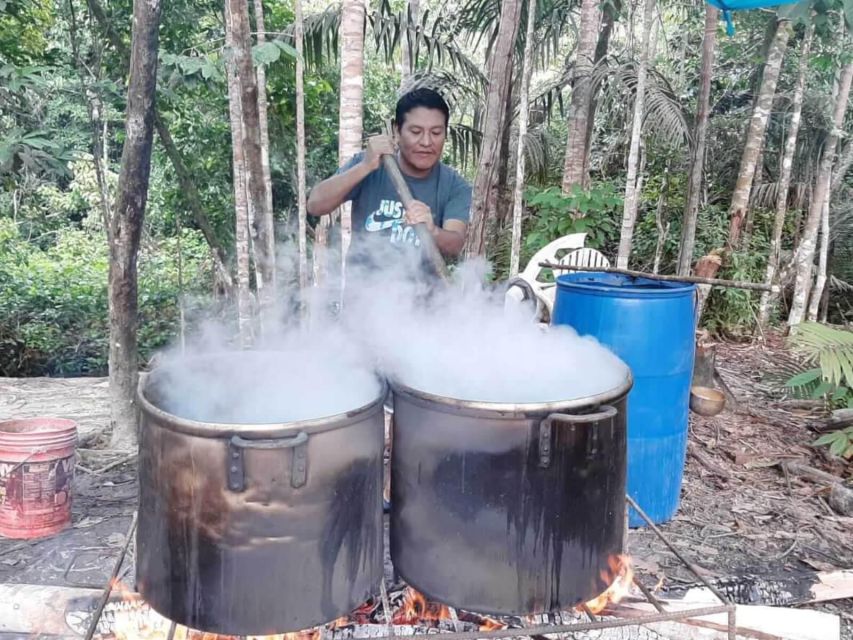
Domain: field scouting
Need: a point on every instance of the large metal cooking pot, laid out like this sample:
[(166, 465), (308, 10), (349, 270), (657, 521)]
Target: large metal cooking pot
[(508, 508), (251, 529)]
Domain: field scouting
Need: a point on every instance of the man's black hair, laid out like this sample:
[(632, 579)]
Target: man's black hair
[(422, 97)]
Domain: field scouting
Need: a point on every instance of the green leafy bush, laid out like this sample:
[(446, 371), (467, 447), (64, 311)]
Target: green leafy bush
[(54, 306), (832, 350), (555, 214)]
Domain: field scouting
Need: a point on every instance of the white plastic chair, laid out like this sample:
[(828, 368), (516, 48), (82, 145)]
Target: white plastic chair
[(585, 257), (528, 286)]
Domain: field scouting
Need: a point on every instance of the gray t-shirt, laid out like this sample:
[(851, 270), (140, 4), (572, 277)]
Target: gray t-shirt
[(376, 207)]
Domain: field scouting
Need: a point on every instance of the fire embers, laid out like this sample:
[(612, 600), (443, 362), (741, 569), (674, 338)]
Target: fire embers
[(416, 610), (128, 617)]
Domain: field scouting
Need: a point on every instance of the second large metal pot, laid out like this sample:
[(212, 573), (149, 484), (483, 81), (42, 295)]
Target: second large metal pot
[(254, 529), (508, 509)]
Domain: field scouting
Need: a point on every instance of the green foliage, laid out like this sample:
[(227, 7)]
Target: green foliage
[(53, 302), (832, 350), (840, 442), (555, 214), (732, 311)]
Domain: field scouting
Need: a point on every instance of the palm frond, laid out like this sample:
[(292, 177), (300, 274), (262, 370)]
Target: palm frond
[(321, 36), (837, 284), (764, 196), (465, 144), (829, 348), (432, 41), (664, 116)]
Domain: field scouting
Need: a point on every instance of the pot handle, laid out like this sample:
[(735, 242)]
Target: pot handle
[(298, 468), (607, 412)]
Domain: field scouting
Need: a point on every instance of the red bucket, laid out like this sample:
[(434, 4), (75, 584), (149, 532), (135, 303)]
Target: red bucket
[(36, 470)]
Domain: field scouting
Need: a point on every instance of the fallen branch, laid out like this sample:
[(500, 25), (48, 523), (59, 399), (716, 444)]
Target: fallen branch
[(838, 419), (717, 282), (840, 496), (700, 456)]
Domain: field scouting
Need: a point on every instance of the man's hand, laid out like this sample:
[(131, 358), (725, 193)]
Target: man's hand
[(377, 146), (419, 213)]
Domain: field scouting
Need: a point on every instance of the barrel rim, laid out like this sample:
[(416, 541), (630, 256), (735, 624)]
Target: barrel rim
[(64, 435), (513, 409), (254, 430), (667, 288)]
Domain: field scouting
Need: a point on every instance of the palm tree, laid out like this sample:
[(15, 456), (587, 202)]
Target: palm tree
[(241, 200), (804, 257), (302, 230), (523, 112), (575, 167), (697, 164), (263, 123), (633, 182), (352, 89), (757, 127), (499, 72), (767, 299), (260, 216)]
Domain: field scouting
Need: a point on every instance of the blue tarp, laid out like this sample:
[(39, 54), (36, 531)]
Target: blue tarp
[(727, 6)]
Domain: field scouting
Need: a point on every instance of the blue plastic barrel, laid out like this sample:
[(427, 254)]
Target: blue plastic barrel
[(650, 324)]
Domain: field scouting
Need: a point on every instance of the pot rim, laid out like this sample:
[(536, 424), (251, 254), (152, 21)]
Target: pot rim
[(254, 430), (511, 409)]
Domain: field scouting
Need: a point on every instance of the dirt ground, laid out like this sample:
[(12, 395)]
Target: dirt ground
[(740, 514)]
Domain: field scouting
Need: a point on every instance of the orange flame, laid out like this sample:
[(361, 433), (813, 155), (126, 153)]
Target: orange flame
[(417, 609), (620, 576), (487, 624)]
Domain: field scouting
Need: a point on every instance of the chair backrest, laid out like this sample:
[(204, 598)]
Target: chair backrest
[(552, 252), (585, 257)]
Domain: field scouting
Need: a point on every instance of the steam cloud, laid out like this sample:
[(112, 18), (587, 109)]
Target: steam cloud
[(453, 340)]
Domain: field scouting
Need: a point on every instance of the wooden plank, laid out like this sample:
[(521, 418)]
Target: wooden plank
[(759, 622)]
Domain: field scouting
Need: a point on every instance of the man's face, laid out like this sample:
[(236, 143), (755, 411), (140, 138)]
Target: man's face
[(421, 138)]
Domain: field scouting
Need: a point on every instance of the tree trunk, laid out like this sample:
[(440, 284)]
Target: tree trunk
[(768, 299), (126, 223), (755, 133), (697, 165), (845, 159), (610, 12), (574, 169), (352, 91), (263, 122), (749, 219), (503, 204), (804, 257), (499, 71), (263, 240), (409, 50), (820, 282), (301, 190), (523, 114), (632, 191), (241, 202), (663, 230)]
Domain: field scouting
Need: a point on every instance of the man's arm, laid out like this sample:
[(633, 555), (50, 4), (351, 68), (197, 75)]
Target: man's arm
[(332, 192), (450, 239)]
